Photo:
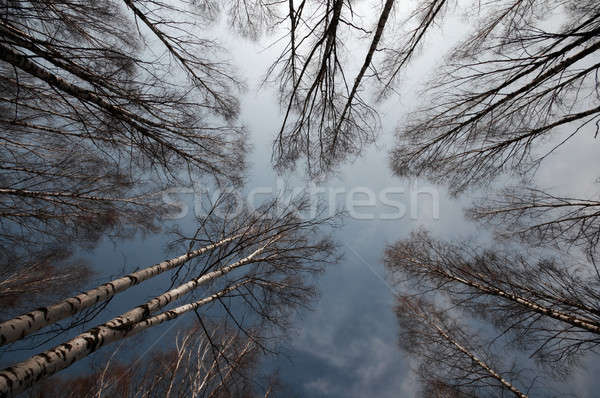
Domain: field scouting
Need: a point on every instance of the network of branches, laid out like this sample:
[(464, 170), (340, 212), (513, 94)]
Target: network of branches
[(104, 104)]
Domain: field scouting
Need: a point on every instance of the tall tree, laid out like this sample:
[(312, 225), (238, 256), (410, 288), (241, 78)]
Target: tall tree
[(92, 121), (325, 117), (537, 81), (103, 106), (521, 85), (264, 265), (548, 307), (19, 327), (452, 362)]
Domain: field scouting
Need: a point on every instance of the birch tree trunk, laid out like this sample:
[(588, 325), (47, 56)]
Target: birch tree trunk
[(141, 124), (70, 195), (200, 364), (141, 312), (21, 326), (480, 363), (577, 321), (279, 248), (451, 355), (176, 312), (22, 375)]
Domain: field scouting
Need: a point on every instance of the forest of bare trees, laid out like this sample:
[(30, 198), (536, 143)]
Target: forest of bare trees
[(261, 260), (104, 105), (509, 96)]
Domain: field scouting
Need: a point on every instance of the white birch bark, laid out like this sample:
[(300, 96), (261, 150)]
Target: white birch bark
[(23, 325), (176, 312), (426, 318), (578, 321), (143, 311), (20, 376), (480, 363)]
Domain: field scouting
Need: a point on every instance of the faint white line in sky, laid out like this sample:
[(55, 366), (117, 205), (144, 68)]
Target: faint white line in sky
[(371, 268), (148, 349), (157, 340)]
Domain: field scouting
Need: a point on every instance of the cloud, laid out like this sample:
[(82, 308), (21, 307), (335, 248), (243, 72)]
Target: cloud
[(348, 346)]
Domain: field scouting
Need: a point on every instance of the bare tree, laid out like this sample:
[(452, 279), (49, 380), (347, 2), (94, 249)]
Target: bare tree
[(400, 51), (549, 307), (325, 117), (85, 82), (541, 218), (105, 90), (251, 18), (453, 362), (265, 267), (94, 125), (509, 86), (513, 86), (21, 326), (76, 199), (102, 106)]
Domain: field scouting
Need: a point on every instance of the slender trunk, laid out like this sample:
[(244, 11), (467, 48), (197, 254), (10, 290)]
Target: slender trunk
[(176, 312), (19, 377), (21, 326), (25, 64), (143, 311), (329, 38), (582, 323), (374, 43), (427, 319), (292, 16), (181, 350), (479, 362)]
